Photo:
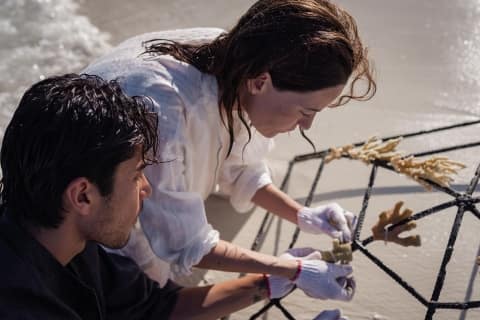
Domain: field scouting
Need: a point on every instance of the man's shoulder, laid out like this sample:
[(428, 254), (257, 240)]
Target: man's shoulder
[(20, 290), (14, 269)]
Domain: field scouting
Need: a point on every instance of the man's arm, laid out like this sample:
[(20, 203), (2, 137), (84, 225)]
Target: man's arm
[(226, 256), (213, 302)]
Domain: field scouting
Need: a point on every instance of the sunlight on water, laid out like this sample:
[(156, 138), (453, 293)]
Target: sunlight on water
[(427, 55), (39, 38), (464, 52)]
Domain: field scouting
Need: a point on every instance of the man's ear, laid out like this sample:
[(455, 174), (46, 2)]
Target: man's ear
[(259, 83), (80, 196)]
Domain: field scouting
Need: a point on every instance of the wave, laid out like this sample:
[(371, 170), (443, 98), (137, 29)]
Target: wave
[(40, 38)]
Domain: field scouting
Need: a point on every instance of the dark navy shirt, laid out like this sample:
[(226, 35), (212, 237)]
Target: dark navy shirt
[(94, 285)]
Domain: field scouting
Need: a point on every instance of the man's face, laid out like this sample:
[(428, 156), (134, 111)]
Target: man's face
[(117, 213)]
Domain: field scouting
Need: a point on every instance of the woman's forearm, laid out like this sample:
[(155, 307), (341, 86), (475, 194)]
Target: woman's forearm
[(276, 201), (226, 256), (213, 302)]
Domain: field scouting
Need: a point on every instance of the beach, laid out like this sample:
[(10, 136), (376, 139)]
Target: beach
[(427, 61)]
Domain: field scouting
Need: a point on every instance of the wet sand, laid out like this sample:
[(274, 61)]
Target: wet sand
[(426, 78)]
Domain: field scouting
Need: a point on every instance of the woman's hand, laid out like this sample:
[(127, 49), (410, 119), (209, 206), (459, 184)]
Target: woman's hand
[(330, 219)]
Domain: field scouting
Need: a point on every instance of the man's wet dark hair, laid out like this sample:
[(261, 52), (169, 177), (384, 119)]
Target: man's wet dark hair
[(67, 127)]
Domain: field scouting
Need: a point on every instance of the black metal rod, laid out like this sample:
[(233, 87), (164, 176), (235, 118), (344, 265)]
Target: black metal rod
[(262, 310), (314, 155), (391, 273), (474, 182), (463, 201), (284, 311), (446, 259), (308, 201), (473, 277), (447, 149), (455, 305), (366, 198), (262, 230), (435, 185), (416, 216), (422, 132), (475, 211)]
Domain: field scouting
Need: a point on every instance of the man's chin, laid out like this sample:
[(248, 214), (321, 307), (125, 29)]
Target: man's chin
[(117, 244)]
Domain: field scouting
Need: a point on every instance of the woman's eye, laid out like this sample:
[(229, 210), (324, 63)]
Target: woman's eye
[(306, 114)]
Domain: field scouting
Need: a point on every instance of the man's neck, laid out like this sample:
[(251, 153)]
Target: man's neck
[(63, 242)]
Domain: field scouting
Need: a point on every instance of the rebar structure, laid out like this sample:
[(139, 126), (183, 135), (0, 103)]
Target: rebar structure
[(464, 201)]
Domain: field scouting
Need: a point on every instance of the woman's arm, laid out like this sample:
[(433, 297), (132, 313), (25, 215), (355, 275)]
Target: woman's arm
[(276, 201), (330, 218), (212, 302), (226, 256)]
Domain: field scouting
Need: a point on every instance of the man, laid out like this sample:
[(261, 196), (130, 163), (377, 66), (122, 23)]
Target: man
[(72, 160)]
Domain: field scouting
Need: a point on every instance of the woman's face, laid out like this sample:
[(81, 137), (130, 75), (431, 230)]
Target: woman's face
[(272, 111)]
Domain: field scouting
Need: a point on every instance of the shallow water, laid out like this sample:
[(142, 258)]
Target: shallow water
[(39, 38), (427, 57)]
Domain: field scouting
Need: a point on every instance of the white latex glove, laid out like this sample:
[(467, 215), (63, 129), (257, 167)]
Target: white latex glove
[(323, 280), (279, 286), (320, 279), (330, 219), (330, 315)]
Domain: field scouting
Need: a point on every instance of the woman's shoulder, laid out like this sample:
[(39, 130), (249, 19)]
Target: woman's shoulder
[(187, 35), (128, 56)]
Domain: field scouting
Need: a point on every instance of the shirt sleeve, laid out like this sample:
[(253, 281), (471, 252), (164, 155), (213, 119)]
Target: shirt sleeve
[(173, 219), (245, 170), (130, 294)]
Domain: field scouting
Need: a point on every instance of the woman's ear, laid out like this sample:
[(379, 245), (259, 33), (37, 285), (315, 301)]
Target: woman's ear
[(80, 196), (259, 84)]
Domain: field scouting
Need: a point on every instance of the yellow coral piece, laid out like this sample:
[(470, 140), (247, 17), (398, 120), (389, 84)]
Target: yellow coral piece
[(394, 216), (341, 252), (435, 169)]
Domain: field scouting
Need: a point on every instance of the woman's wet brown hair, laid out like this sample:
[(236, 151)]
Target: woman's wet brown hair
[(305, 45)]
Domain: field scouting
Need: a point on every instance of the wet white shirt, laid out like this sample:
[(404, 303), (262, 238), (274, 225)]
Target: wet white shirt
[(193, 142)]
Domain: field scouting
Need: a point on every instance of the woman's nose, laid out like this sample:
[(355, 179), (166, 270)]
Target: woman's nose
[(306, 122)]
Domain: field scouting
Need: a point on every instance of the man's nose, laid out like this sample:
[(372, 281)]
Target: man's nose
[(146, 189)]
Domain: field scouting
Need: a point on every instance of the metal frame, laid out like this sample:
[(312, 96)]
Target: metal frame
[(465, 202)]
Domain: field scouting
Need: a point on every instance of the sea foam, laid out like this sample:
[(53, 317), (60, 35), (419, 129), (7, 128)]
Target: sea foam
[(40, 38)]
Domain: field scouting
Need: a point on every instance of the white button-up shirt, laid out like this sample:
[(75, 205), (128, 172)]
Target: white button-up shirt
[(193, 144)]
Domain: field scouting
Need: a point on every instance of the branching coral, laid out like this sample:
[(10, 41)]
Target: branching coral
[(435, 169), (391, 217)]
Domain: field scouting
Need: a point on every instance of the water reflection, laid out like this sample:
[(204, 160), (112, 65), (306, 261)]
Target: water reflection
[(464, 53)]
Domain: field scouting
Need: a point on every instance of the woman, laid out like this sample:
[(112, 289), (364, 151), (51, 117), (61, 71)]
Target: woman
[(221, 97)]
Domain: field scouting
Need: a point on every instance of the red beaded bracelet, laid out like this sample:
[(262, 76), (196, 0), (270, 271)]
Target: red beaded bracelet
[(267, 283), (299, 269)]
